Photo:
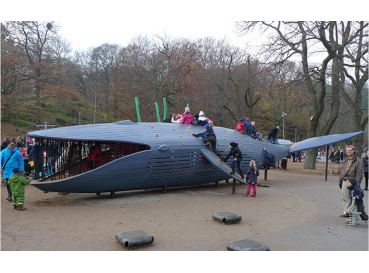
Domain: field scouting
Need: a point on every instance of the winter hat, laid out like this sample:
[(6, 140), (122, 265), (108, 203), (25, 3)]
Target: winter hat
[(233, 144), (277, 126), (352, 180), (201, 113), (241, 119), (17, 170), (207, 126), (187, 110), (197, 116)]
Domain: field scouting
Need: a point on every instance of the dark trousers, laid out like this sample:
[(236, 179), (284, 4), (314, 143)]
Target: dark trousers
[(238, 162), (363, 215), (213, 142), (366, 180), (271, 135), (8, 188)]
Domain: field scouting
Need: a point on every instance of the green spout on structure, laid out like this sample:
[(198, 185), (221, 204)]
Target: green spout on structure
[(165, 108), (157, 111), (138, 110)]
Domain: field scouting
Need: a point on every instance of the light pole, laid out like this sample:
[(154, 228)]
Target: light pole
[(283, 115), (295, 133)]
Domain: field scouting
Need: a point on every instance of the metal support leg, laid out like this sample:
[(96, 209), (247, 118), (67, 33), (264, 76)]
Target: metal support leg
[(112, 194), (234, 186), (165, 189), (266, 174), (216, 184)]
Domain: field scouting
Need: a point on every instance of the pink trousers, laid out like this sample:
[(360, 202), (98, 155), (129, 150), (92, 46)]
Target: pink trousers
[(253, 188)]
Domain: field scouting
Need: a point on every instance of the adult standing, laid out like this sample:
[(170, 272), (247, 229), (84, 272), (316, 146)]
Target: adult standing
[(10, 158), (5, 143), (352, 167), (365, 163)]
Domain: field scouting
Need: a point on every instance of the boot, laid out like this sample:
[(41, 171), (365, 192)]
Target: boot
[(247, 194), (207, 143), (9, 198), (232, 172), (15, 207), (253, 194), (21, 208)]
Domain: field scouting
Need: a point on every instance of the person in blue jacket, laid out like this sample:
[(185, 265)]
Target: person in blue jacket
[(248, 127), (10, 158)]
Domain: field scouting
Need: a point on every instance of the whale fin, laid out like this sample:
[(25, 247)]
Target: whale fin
[(321, 141)]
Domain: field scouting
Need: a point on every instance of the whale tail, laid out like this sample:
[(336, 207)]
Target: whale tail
[(321, 141)]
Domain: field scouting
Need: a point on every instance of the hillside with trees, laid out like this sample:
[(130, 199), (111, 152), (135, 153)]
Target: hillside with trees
[(43, 80)]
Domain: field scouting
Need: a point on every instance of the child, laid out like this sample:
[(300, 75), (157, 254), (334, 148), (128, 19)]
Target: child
[(241, 126), (187, 117), (356, 193), (252, 178), (209, 138), (248, 126), (17, 182), (237, 155), (202, 119)]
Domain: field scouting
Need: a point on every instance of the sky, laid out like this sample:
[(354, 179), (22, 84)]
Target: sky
[(85, 34)]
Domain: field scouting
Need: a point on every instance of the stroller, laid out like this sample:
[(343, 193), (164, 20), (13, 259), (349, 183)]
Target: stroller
[(283, 164), (28, 166)]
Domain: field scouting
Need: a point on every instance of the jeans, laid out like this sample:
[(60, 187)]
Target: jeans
[(238, 162), (270, 134)]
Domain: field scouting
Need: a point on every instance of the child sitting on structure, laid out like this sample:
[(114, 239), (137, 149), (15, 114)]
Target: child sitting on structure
[(252, 178), (248, 127), (17, 182), (241, 126), (202, 119), (356, 194)]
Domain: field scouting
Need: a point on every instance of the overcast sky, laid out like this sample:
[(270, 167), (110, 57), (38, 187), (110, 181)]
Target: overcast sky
[(91, 23), (85, 34)]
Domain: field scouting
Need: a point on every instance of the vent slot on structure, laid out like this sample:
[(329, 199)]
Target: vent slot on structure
[(56, 159)]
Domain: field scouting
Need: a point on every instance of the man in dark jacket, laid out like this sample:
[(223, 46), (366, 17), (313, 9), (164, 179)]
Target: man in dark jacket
[(352, 167), (356, 194), (273, 134), (209, 138), (5, 143), (237, 155)]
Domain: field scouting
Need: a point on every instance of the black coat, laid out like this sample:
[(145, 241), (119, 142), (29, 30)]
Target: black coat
[(236, 152), (365, 163), (274, 130), (251, 176)]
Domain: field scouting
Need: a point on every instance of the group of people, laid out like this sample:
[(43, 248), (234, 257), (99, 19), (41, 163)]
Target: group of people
[(12, 169), (198, 119), (349, 182), (337, 156), (248, 127), (209, 138)]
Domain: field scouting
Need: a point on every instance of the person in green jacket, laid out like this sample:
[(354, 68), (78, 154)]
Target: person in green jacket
[(17, 182)]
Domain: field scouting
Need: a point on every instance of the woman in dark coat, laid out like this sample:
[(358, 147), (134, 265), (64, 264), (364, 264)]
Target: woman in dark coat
[(252, 178)]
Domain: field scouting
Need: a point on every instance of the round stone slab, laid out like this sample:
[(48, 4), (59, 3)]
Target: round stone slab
[(227, 217), (134, 239), (247, 245)]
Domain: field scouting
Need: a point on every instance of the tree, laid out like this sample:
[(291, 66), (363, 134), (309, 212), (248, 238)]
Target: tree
[(35, 39), (306, 39)]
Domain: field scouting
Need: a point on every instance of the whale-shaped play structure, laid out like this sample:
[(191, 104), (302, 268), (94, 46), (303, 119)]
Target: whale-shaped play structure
[(126, 156)]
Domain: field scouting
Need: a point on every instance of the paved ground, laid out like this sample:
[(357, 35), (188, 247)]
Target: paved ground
[(297, 212)]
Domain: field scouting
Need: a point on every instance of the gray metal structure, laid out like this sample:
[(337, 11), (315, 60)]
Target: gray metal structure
[(172, 158)]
